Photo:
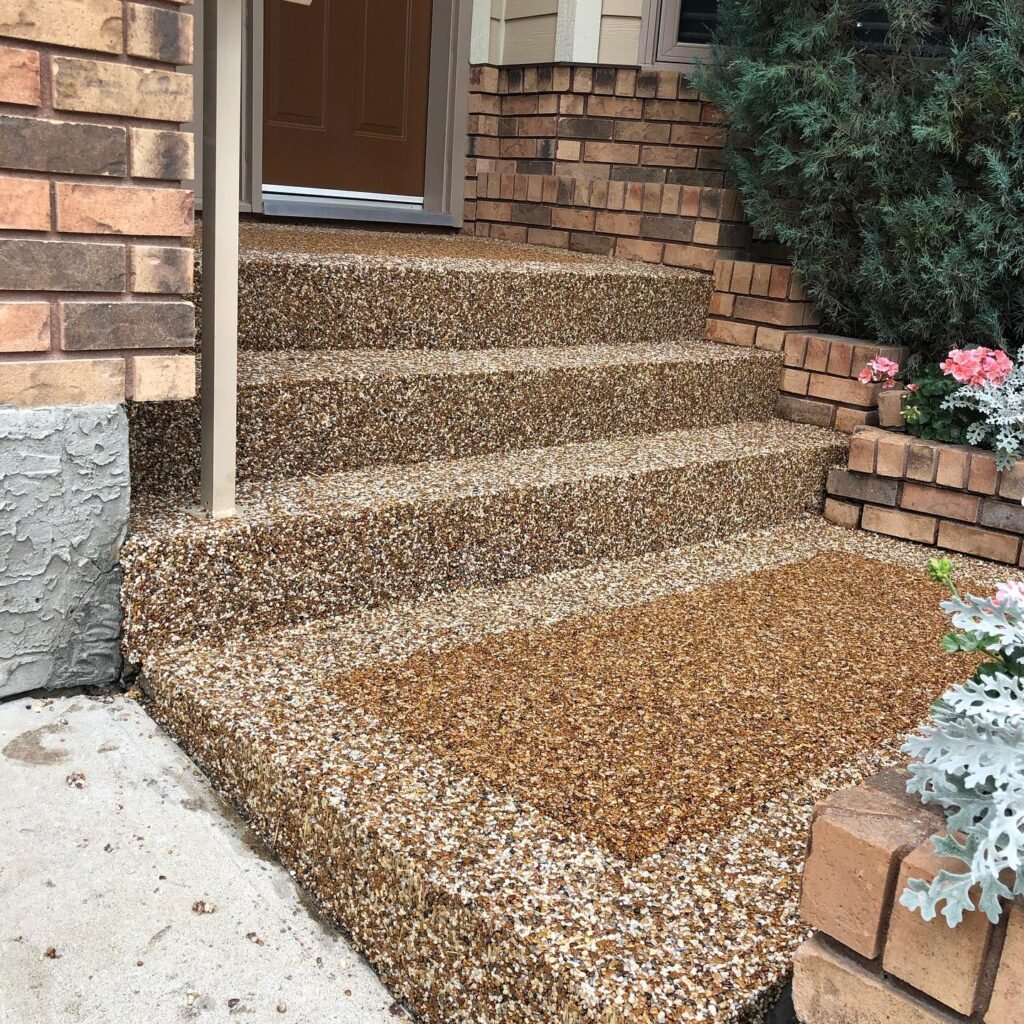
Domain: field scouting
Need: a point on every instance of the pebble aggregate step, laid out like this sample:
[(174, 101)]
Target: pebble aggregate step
[(303, 413), (321, 288), (314, 546), (473, 903)]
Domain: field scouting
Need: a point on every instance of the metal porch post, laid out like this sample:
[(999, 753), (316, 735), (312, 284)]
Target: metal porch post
[(222, 137)]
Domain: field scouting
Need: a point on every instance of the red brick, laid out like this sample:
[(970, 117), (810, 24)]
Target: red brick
[(742, 273), (545, 236), (816, 357), (635, 249), (671, 110), (697, 135), (940, 501), (904, 525), (1007, 1003), (729, 332), (24, 204), (1011, 482), (940, 961), (615, 106), (858, 837), (831, 988), (128, 210), (842, 513), (921, 460), (573, 220), (668, 156), (721, 304), (890, 407), (848, 420), (840, 358), (24, 326), (19, 76), (779, 286), (761, 279), (973, 540), (694, 257), (722, 275), (771, 339)]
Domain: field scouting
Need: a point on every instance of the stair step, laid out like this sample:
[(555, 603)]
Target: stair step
[(449, 777), (315, 546), (325, 288), (303, 413)]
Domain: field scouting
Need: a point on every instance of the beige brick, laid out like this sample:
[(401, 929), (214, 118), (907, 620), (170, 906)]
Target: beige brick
[(19, 76), (921, 460), (24, 204), (618, 223), (830, 988), (794, 382), (816, 357), (905, 525), (159, 34), (794, 349), (760, 280), (742, 274), (940, 501), (952, 467), (840, 358), (636, 249), (102, 87), (890, 408), (973, 540), (123, 210), (24, 327), (83, 24), (694, 257), (161, 269), (1007, 1003), (942, 962), (982, 477), (858, 837), (722, 304), (772, 311), (842, 513), (892, 455), (843, 389), (1011, 482), (848, 420), (804, 410), (37, 382), (162, 154), (862, 452), (771, 339), (161, 378), (729, 332)]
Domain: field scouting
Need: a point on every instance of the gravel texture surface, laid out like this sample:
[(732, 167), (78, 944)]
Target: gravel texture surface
[(320, 412), (471, 900)]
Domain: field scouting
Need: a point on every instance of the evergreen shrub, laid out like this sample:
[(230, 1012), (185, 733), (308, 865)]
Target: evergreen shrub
[(883, 144)]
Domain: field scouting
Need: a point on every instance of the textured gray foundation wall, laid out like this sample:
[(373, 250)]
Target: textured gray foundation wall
[(64, 490)]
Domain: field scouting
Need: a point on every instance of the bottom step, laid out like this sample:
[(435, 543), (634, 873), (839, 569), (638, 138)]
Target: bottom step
[(582, 796)]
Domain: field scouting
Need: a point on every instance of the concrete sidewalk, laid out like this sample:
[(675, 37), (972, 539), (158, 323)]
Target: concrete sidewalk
[(130, 893)]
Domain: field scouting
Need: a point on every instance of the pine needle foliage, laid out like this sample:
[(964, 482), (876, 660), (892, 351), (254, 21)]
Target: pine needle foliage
[(889, 162)]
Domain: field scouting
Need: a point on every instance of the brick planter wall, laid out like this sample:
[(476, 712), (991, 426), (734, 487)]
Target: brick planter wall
[(929, 492), (764, 305), (95, 231), (874, 961), (612, 161)]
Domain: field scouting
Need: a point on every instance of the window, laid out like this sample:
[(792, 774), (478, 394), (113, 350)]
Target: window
[(675, 31)]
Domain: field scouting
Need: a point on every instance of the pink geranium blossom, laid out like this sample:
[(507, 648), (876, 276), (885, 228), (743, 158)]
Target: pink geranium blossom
[(880, 370), (977, 366), (1011, 591)]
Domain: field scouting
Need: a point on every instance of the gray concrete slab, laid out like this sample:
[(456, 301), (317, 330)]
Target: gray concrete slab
[(130, 893)]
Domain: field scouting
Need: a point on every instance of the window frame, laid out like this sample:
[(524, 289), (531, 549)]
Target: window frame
[(659, 47)]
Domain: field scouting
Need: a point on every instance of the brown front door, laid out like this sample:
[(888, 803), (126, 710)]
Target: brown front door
[(345, 95)]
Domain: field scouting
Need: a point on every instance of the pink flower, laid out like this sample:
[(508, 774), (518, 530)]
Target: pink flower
[(880, 370), (913, 387), (977, 366), (1009, 591)]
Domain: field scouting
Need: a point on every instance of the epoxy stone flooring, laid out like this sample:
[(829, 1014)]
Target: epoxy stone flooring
[(131, 894), (489, 788)]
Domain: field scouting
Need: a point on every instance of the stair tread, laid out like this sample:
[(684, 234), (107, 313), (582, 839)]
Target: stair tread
[(328, 776), (358, 364), (354, 491)]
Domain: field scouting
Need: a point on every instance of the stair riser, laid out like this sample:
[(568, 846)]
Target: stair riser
[(308, 427), (258, 576), (308, 305)]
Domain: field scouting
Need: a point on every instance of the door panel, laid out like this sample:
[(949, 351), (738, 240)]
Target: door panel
[(345, 94)]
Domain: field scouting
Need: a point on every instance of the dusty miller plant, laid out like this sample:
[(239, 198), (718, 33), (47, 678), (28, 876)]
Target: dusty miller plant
[(969, 759), (1001, 409)]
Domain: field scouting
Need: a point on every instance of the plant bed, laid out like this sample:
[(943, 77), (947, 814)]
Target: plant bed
[(950, 496)]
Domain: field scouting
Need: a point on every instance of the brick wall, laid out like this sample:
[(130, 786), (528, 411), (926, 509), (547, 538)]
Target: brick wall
[(873, 960), (95, 230), (929, 492), (613, 161)]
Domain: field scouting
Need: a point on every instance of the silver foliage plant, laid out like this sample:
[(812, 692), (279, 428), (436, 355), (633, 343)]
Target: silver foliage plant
[(1001, 407), (969, 759)]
